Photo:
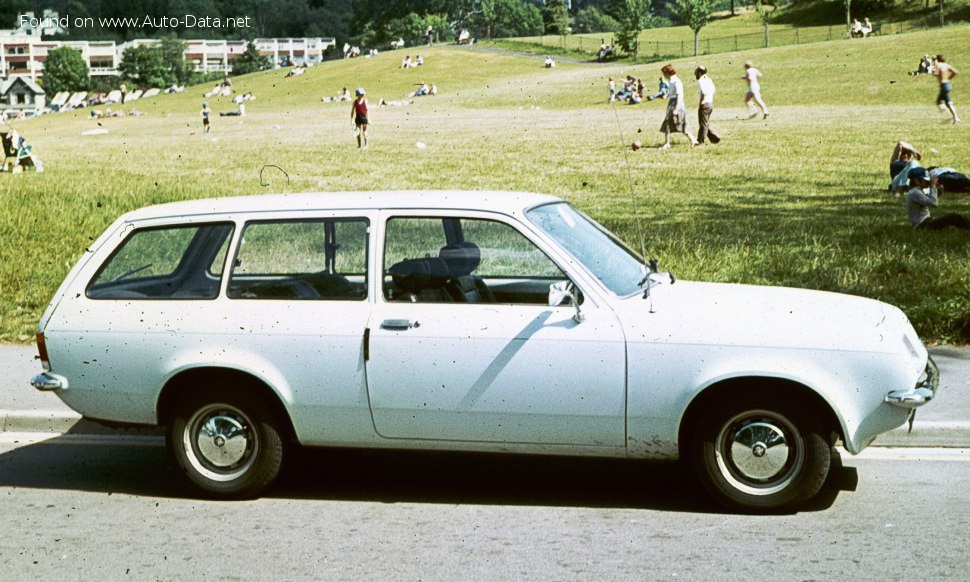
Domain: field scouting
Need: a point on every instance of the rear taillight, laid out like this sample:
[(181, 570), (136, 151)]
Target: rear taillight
[(42, 351)]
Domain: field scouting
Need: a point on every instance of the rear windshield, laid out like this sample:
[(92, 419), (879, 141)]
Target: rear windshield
[(178, 262)]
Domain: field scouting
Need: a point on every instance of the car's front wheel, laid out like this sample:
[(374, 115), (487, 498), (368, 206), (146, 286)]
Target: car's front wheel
[(226, 443), (760, 453)]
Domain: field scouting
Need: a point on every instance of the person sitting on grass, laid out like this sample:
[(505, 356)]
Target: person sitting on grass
[(921, 196), (663, 87), (905, 158), (422, 90), (925, 67)]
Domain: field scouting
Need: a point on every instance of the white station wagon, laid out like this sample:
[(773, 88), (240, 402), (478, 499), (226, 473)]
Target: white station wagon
[(467, 321)]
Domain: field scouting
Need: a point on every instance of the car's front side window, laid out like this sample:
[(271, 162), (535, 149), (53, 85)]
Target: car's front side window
[(607, 258), (302, 259), (463, 260), (176, 262)]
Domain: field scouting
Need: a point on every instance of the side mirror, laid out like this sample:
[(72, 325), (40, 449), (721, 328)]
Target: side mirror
[(565, 290)]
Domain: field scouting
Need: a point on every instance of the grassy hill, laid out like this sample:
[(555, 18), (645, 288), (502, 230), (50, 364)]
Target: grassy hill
[(796, 200), (802, 22)]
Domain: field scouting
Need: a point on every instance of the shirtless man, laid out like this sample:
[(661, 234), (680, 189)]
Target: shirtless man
[(945, 73)]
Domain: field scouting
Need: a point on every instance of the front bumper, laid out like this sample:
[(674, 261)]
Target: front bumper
[(921, 393), (47, 382)]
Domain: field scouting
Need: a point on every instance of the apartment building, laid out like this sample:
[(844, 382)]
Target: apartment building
[(22, 52)]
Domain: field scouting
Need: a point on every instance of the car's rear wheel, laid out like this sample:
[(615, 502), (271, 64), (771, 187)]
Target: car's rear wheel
[(759, 453), (227, 444)]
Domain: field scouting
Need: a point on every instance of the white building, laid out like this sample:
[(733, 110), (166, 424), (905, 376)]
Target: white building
[(22, 53), (20, 96)]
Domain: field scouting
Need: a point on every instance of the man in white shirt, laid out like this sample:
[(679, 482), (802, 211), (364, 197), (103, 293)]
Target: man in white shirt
[(752, 76), (705, 89)]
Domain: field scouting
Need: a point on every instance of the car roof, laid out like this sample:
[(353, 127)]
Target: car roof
[(482, 200)]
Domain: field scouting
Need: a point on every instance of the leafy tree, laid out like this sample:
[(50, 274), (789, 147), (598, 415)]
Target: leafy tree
[(65, 70), (488, 16), (764, 12), (173, 50), (555, 17), (250, 61), (695, 14), (632, 17), (505, 18), (9, 10), (413, 27), (144, 66), (590, 19)]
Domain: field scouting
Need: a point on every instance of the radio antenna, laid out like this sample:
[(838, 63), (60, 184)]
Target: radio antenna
[(633, 197)]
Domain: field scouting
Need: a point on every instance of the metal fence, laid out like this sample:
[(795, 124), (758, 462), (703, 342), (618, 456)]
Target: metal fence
[(776, 35)]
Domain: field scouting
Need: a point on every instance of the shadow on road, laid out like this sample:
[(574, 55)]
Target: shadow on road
[(140, 466)]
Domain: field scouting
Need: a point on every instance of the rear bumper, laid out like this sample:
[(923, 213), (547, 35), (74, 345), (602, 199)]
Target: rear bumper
[(47, 382), (921, 393)]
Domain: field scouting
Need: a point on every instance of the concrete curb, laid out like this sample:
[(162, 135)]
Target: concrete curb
[(61, 422), (925, 434), (928, 433), (49, 421)]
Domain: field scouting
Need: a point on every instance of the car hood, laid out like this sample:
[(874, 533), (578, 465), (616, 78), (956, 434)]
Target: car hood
[(776, 317)]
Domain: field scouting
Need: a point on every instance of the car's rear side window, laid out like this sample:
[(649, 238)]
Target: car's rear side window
[(177, 262), (323, 259)]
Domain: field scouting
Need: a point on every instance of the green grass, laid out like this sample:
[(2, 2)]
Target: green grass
[(798, 200), (799, 23)]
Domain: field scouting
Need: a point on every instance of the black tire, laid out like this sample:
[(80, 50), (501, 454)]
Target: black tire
[(758, 452), (226, 442)]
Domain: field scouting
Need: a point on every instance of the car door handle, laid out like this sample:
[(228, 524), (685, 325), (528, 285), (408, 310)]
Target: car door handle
[(399, 324)]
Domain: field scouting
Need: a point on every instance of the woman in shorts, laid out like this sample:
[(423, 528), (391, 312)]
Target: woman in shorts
[(358, 113)]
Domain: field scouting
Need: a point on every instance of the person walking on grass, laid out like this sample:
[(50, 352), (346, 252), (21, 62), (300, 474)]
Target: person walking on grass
[(752, 76), (705, 89), (945, 72), (205, 117), (358, 113), (921, 196), (676, 119)]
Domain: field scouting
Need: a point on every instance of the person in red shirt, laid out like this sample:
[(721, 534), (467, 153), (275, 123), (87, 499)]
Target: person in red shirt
[(358, 113)]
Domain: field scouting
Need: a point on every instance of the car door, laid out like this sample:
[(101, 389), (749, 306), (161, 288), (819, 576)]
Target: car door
[(463, 345)]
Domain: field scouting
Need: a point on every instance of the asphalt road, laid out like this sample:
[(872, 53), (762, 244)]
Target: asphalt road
[(81, 509)]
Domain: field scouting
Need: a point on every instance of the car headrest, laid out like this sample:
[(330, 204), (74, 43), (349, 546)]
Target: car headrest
[(415, 275), (461, 259)]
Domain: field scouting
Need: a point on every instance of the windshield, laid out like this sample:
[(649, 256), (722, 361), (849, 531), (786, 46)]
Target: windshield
[(611, 261)]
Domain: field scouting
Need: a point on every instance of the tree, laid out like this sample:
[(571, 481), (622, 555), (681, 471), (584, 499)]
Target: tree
[(764, 12), (65, 70), (695, 14), (505, 18), (144, 66), (632, 17), (173, 57), (250, 61), (590, 19), (555, 17)]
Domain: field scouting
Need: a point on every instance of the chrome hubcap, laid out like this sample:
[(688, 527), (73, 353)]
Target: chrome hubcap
[(220, 442), (759, 450), (223, 441)]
